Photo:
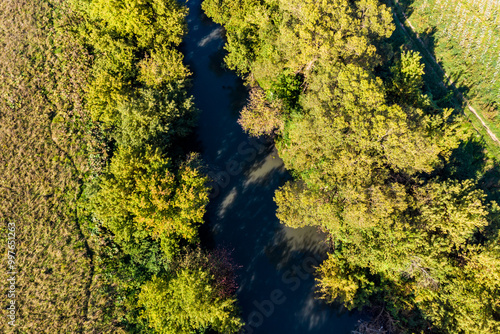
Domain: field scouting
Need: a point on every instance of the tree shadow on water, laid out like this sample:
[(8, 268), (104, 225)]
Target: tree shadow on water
[(216, 63), (238, 96)]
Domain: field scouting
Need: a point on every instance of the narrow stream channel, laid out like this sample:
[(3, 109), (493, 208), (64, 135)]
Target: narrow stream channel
[(276, 287)]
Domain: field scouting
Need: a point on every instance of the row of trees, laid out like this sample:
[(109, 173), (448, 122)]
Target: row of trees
[(464, 37), (144, 205), (372, 161)]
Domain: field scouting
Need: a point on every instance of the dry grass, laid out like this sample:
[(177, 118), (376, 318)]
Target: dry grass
[(42, 72)]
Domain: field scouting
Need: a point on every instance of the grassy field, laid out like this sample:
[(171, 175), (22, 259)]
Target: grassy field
[(463, 36), (42, 140), (437, 80)]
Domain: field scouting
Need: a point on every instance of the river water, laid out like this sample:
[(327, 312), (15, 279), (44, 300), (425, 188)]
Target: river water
[(276, 285)]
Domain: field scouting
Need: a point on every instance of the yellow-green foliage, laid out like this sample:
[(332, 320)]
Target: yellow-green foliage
[(146, 205), (408, 72), (143, 195), (370, 158), (259, 116), (155, 116), (162, 66), (187, 302), (153, 23), (266, 37), (139, 91), (133, 41)]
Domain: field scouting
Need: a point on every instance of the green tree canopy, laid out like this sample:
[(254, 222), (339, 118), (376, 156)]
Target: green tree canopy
[(143, 194), (188, 302)]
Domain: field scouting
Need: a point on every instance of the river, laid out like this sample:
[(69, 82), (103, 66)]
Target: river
[(276, 285)]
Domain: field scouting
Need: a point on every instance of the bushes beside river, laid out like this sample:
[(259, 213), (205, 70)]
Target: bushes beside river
[(144, 205)]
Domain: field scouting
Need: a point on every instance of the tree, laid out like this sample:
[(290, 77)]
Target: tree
[(342, 282), (163, 65), (143, 195), (268, 37), (260, 116), (188, 301), (407, 79), (156, 117), (120, 33), (424, 259), (151, 22)]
